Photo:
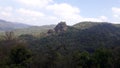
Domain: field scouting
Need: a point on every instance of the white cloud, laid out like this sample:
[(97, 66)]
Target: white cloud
[(65, 12), (91, 19), (6, 12), (52, 13), (98, 19), (116, 12), (71, 14), (116, 16), (31, 13), (35, 3), (6, 9), (63, 9), (103, 18)]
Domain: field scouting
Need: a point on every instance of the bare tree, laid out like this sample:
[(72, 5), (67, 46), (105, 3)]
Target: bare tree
[(9, 35)]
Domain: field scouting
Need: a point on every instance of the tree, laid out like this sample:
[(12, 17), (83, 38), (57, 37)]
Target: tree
[(20, 57), (116, 57), (102, 58), (9, 36), (85, 60)]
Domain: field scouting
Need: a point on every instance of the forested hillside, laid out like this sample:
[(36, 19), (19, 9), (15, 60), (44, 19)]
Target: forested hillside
[(33, 30), (83, 45), (19, 28)]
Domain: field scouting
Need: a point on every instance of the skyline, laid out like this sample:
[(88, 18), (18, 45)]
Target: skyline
[(45, 12)]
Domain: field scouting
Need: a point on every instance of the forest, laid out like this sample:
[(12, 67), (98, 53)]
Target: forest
[(78, 46)]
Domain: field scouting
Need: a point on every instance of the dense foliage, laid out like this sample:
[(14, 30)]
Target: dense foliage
[(93, 47)]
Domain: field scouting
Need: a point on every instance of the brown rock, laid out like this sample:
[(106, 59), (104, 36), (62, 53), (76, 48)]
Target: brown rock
[(50, 31), (61, 27)]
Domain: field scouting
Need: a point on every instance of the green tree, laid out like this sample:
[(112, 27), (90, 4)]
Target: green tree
[(53, 58), (20, 57), (102, 58), (85, 60), (116, 57)]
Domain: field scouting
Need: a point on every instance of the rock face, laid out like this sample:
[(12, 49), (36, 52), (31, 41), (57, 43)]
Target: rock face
[(61, 27), (50, 31)]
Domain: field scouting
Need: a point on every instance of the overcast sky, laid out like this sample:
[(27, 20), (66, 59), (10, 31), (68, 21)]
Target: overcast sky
[(44, 12)]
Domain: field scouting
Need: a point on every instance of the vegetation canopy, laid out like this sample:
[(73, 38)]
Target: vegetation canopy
[(83, 45)]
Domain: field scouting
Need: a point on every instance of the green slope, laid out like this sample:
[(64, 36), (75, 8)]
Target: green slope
[(34, 30), (101, 35), (87, 24)]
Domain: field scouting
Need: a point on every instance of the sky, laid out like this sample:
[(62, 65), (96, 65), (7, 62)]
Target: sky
[(46, 12)]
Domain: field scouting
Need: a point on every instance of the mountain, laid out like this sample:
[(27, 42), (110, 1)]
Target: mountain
[(97, 46), (6, 25), (61, 27), (91, 37), (19, 28), (87, 24), (34, 30)]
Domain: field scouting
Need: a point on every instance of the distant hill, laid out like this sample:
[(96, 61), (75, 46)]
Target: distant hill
[(93, 35), (87, 24), (7, 25), (19, 28), (34, 30)]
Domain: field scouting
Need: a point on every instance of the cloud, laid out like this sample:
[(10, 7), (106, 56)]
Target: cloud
[(6, 12), (91, 19), (63, 9), (71, 14), (103, 18), (35, 3), (31, 13), (52, 13), (116, 12), (65, 12), (6, 9), (98, 19)]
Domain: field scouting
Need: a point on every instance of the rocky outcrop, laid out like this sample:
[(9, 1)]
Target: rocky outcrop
[(50, 31), (61, 27)]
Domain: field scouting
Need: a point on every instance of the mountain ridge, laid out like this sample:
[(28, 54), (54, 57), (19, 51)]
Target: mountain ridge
[(7, 25), (101, 35)]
